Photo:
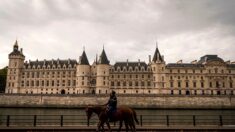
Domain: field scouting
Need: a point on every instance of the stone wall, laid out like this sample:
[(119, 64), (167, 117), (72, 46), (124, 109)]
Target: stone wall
[(136, 101)]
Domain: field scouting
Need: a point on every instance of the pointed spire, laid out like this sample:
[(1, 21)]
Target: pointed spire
[(157, 56), (103, 58), (83, 59), (16, 43), (156, 44), (15, 47)]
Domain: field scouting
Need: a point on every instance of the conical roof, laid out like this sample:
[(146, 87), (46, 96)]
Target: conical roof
[(83, 59), (103, 58), (157, 56)]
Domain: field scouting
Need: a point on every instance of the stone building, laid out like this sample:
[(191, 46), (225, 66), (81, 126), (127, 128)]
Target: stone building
[(210, 75)]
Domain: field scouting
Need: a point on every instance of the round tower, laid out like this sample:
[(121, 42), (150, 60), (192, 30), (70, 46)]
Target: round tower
[(158, 68), (102, 83), (15, 66), (83, 75)]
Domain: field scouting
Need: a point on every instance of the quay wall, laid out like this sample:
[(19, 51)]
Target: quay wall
[(135, 101)]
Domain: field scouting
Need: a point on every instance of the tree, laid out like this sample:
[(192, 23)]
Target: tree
[(3, 79)]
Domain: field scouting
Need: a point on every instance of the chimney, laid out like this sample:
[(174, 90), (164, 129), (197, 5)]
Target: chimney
[(228, 62), (179, 62), (149, 58), (194, 62), (139, 62), (127, 62), (21, 50)]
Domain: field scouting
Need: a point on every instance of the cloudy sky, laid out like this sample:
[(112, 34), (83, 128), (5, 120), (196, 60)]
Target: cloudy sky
[(128, 29)]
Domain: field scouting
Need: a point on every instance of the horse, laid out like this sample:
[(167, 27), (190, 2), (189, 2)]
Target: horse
[(123, 113)]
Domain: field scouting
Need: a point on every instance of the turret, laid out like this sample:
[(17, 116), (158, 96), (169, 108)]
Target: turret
[(83, 74), (158, 68), (102, 85), (15, 66)]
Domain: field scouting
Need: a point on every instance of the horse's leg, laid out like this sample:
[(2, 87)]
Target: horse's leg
[(108, 125), (98, 126), (120, 126), (126, 124)]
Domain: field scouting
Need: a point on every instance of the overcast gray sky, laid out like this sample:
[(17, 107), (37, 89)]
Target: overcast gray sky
[(128, 29)]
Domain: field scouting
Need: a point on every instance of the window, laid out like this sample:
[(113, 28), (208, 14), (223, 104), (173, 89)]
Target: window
[(32, 83), (148, 76), (130, 83), (22, 83), (172, 84), (142, 83), (37, 83), (112, 83), (179, 84), (186, 84), (47, 83), (172, 92), (202, 84), (203, 92), (124, 83), (136, 83), (231, 84), (194, 84), (149, 83), (210, 84), (179, 92), (118, 83)]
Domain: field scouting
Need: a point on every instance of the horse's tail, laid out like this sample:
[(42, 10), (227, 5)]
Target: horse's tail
[(135, 116)]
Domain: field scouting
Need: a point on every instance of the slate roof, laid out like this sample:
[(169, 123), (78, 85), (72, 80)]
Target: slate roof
[(130, 64), (207, 58), (231, 65), (15, 50), (157, 56), (51, 63), (103, 58), (83, 59), (184, 65)]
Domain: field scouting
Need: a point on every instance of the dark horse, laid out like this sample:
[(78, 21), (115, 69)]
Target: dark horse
[(123, 113)]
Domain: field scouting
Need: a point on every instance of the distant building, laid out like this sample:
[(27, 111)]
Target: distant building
[(208, 76)]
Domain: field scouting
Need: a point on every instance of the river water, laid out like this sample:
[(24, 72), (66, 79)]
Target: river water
[(149, 116)]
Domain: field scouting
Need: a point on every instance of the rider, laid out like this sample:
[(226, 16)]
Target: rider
[(111, 104)]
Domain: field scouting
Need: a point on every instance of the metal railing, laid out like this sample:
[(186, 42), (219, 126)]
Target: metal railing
[(144, 120)]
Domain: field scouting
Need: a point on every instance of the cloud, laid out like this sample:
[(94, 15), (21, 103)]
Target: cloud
[(184, 29)]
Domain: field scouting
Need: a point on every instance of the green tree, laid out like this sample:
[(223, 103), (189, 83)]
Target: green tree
[(3, 78)]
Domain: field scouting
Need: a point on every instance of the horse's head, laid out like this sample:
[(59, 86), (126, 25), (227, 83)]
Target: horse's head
[(89, 112)]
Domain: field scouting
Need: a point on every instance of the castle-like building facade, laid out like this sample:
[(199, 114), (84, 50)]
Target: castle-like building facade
[(210, 75)]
